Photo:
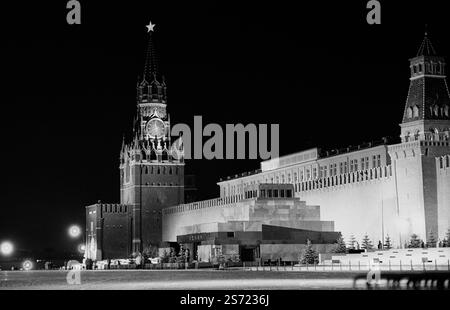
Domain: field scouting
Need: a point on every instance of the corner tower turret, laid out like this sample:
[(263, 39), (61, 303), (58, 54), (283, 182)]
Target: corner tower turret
[(426, 115), (425, 136)]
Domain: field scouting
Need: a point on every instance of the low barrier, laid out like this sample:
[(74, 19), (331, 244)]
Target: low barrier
[(361, 266), (152, 266)]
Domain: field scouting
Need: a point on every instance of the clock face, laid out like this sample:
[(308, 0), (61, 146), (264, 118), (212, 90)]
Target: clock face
[(155, 128)]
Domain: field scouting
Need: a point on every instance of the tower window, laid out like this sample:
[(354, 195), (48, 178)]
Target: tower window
[(409, 112), (420, 68), (436, 110), (416, 111)]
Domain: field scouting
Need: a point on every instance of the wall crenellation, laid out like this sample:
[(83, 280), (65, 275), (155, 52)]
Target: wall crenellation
[(361, 176)]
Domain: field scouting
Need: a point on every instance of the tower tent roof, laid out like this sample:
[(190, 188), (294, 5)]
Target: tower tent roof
[(428, 95), (151, 62), (426, 48)]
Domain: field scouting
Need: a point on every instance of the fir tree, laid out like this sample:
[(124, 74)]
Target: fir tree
[(414, 242), (165, 257), (309, 255), (366, 243), (172, 256), (339, 246), (181, 258), (150, 251), (446, 242), (387, 243), (351, 242), (431, 242)]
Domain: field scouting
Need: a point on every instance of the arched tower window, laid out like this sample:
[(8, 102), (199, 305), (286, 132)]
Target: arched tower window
[(409, 112), (434, 110), (415, 111)]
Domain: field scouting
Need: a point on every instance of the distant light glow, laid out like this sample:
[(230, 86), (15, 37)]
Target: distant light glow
[(6, 248), (74, 231), (82, 248), (27, 265)]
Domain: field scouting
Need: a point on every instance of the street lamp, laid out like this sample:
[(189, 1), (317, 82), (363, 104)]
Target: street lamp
[(81, 248), (74, 231), (6, 248), (27, 265)]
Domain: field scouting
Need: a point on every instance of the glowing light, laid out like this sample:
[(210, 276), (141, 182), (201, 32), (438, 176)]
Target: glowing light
[(81, 248), (6, 248), (27, 265), (74, 231)]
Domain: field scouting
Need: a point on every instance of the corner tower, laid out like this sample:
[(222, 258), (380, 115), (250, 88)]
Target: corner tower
[(151, 170), (426, 115), (425, 136)]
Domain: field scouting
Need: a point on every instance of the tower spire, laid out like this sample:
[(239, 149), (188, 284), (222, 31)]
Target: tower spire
[(151, 89), (426, 48), (151, 63)]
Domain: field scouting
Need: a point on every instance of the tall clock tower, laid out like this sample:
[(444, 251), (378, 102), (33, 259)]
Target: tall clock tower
[(151, 169)]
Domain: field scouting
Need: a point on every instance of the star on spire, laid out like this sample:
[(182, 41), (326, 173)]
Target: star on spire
[(150, 27)]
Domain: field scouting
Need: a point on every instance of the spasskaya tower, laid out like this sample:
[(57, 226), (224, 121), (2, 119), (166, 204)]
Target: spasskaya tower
[(151, 170)]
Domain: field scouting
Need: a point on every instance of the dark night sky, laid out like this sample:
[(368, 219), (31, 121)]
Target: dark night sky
[(68, 92)]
